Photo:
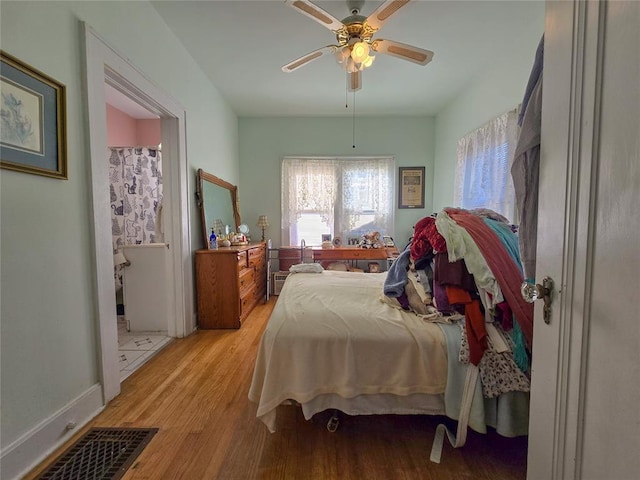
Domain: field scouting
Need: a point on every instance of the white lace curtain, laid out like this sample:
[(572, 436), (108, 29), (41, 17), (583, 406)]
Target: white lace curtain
[(308, 184), (482, 175), (339, 189)]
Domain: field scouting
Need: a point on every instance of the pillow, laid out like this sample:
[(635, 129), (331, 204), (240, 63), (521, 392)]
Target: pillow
[(306, 268)]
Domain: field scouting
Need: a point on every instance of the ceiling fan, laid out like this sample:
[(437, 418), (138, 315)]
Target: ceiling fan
[(355, 38)]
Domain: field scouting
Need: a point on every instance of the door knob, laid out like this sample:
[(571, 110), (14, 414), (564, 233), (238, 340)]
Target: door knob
[(531, 293)]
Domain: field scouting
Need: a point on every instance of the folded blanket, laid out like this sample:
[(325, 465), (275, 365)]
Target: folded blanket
[(306, 268)]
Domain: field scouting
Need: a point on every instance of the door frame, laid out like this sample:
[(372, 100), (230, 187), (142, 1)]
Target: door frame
[(106, 65), (574, 38)]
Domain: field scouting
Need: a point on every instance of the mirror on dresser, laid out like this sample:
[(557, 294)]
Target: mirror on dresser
[(217, 200)]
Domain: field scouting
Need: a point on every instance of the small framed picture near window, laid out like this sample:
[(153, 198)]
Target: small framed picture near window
[(33, 123), (411, 191)]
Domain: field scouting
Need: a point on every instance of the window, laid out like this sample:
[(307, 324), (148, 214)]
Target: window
[(344, 197), (483, 170)]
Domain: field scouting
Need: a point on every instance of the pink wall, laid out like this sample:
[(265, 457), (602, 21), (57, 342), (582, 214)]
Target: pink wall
[(149, 133), (124, 131)]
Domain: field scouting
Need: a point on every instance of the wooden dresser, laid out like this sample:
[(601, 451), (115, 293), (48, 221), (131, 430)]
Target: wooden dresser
[(230, 281)]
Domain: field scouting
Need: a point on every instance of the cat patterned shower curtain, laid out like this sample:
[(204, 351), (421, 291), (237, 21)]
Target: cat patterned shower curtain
[(135, 177)]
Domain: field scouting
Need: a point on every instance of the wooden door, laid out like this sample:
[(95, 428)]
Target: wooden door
[(585, 421)]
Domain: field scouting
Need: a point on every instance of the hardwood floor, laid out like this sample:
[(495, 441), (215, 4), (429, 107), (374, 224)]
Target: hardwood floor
[(195, 391)]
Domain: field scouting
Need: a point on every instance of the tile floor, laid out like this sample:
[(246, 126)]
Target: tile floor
[(136, 348)]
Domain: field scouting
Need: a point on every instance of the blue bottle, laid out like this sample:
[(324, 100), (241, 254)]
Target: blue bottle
[(213, 240)]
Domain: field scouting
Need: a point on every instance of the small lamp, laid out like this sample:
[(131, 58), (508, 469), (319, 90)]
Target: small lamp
[(263, 222), (218, 226)]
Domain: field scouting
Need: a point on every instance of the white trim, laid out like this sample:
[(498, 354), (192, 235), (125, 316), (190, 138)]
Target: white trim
[(585, 133), (34, 446), (104, 64), (574, 36)]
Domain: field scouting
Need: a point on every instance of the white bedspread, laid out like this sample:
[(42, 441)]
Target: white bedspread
[(329, 334)]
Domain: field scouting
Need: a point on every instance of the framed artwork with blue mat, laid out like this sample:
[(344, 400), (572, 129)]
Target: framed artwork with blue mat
[(33, 120)]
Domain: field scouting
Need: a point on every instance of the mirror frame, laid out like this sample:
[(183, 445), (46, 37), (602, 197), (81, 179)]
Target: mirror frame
[(233, 191)]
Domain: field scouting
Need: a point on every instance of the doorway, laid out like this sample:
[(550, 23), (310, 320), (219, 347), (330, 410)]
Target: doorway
[(105, 65), (134, 154)]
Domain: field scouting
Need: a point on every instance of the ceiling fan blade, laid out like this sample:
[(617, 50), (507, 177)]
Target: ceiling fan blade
[(354, 81), (316, 13), (384, 11), (402, 50), (309, 57)]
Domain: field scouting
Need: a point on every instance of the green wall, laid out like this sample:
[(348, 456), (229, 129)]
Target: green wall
[(264, 141), (49, 349), (498, 90)]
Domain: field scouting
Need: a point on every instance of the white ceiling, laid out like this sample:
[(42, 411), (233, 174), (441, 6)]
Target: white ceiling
[(241, 45)]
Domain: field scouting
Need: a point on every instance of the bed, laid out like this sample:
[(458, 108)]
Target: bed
[(333, 343)]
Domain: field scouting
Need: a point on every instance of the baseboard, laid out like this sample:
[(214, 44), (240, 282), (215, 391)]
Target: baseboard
[(21, 456)]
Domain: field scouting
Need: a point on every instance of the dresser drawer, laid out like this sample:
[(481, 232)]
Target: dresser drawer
[(245, 308), (250, 298), (247, 302), (242, 260), (261, 273), (256, 257), (246, 279)]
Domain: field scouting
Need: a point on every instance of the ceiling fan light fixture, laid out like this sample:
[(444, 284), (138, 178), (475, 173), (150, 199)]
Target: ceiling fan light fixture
[(354, 36), (342, 55), (359, 51), (350, 65)]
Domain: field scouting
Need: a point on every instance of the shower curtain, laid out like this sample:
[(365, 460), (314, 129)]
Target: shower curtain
[(135, 188)]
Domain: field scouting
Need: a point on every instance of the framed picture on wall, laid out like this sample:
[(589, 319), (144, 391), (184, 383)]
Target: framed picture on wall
[(33, 131), (411, 187)]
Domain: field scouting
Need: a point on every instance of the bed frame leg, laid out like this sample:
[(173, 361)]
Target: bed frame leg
[(334, 421)]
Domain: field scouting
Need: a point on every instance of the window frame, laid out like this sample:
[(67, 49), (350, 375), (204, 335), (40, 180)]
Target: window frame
[(338, 208)]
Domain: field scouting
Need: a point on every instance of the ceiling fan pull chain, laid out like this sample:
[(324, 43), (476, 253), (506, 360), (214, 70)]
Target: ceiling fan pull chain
[(354, 119), (346, 91)]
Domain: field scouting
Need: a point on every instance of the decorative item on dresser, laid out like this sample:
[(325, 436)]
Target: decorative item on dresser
[(230, 283), (263, 223)]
